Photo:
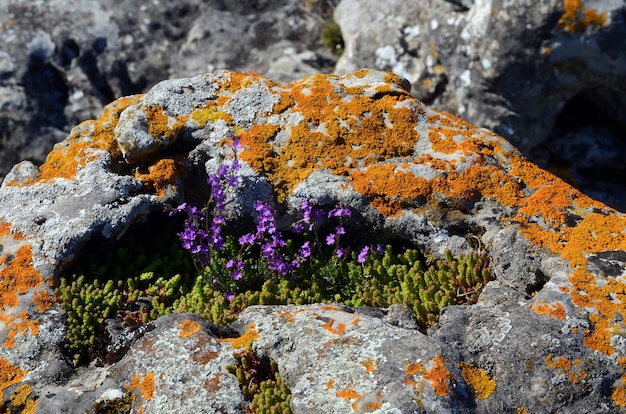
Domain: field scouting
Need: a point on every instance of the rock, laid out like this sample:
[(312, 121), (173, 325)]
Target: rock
[(530, 72), (61, 64), (545, 335)]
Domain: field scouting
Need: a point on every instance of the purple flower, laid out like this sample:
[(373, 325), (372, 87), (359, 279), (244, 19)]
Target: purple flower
[(229, 296), (246, 239), (237, 266), (340, 252), (363, 254), (305, 250), (233, 181), (340, 230), (340, 211), (222, 171), (330, 239), (236, 144), (297, 228), (380, 249)]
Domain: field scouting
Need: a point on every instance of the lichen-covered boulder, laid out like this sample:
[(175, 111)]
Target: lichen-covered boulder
[(546, 75), (547, 334)]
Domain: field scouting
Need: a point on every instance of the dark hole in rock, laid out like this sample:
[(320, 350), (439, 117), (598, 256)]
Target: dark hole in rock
[(587, 146)]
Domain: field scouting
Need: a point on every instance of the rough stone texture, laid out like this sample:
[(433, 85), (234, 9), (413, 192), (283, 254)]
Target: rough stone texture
[(535, 72), (546, 335), (61, 62)]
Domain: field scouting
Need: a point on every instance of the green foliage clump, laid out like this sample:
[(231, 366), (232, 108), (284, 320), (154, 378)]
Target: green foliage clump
[(332, 38), (114, 406), (261, 384)]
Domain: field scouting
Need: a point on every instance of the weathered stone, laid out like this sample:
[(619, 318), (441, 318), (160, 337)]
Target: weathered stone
[(530, 71), (546, 335)]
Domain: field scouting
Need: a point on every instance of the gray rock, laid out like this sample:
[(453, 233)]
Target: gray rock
[(60, 64), (530, 71), (546, 335)]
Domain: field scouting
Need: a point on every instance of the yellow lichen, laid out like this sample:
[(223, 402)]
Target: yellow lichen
[(482, 384)]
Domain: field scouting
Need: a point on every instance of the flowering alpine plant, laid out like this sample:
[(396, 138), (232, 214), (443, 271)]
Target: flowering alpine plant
[(231, 263)]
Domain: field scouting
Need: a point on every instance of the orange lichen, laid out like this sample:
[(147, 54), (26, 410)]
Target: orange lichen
[(188, 328), (78, 149), (388, 189), (43, 300), (163, 174), (618, 393), (413, 368), (330, 384), (21, 327), (564, 366), (576, 16), (245, 340), (438, 376), (349, 394), (335, 134), (482, 384), (369, 365), (145, 386), (17, 276), (162, 127), (555, 309), (9, 375), (339, 330)]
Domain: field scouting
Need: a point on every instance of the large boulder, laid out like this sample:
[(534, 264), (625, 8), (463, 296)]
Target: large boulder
[(545, 335), (546, 75)]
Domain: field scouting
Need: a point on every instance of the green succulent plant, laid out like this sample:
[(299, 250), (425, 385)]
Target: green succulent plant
[(261, 384)]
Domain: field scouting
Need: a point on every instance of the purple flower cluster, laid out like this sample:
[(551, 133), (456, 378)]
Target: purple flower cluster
[(203, 229), (203, 233)]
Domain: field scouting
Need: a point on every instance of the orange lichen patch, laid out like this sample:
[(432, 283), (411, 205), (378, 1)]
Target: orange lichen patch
[(17, 276), (438, 376), (482, 384), (245, 340), (349, 394), (163, 174), (335, 134), (555, 309), (413, 368), (21, 327), (144, 387), (572, 369), (599, 337), (188, 328), (165, 129), (387, 188), (339, 330), (576, 16), (481, 181), (235, 81), (330, 384), (356, 321), (521, 410), (369, 365), (78, 149), (9, 375), (43, 300), (618, 393)]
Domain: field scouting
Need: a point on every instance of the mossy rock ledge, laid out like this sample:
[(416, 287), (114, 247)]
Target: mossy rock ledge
[(546, 335)]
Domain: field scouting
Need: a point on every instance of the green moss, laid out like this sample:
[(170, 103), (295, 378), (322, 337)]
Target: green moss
[(332, 38), (261, 384)]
